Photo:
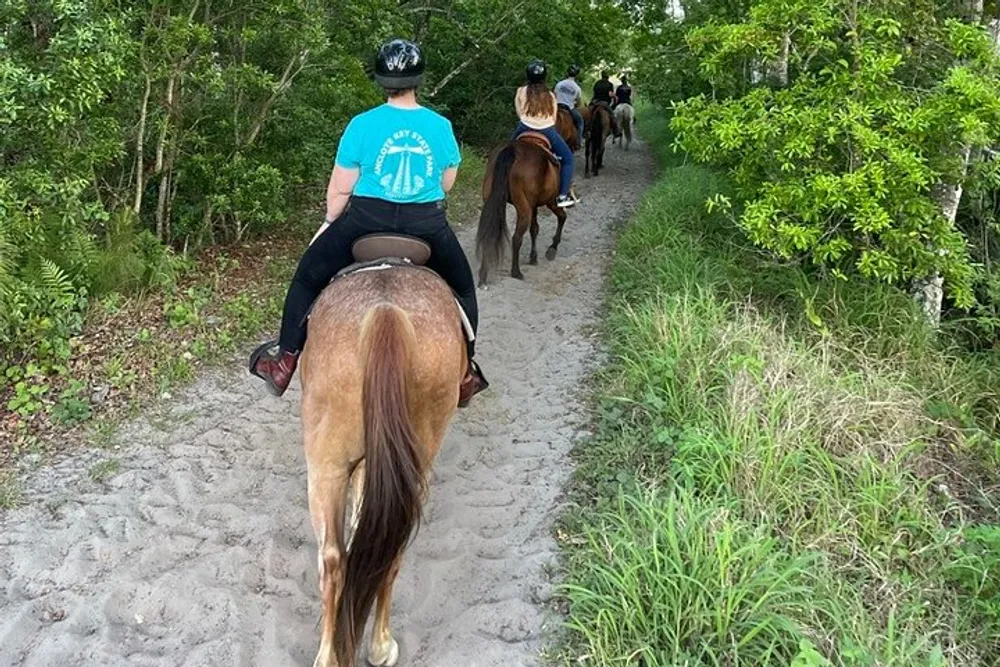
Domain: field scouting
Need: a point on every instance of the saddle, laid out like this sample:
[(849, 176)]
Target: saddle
[(382, 251), (541, 141)]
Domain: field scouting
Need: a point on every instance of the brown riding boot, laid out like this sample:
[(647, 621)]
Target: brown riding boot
[(473, 383), (275, 369)]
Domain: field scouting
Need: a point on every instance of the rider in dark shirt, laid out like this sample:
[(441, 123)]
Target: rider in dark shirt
[(603, 90), (604, 94), (624, 93)]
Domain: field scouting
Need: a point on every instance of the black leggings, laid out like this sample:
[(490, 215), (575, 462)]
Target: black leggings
[(331, 252)]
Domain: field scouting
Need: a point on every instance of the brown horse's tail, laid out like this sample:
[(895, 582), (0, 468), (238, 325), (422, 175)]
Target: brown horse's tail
[(394, 476), (493, 236)]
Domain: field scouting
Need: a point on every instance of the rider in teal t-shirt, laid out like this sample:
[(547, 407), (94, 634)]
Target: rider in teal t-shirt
[(393, 169), (401, 153)]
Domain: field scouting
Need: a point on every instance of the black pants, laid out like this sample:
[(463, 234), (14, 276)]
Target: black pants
[(331, 252)]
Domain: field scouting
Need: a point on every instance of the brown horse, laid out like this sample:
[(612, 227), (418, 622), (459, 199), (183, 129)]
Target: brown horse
[(600, 130), (567, 129), (380, 378), (526, 175)]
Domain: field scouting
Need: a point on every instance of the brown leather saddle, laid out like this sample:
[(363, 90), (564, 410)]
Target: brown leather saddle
[(541, 141), (381, 251)]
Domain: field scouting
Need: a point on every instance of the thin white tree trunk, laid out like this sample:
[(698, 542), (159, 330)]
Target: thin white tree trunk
[(161, 144), (139, 152), (929, 291)]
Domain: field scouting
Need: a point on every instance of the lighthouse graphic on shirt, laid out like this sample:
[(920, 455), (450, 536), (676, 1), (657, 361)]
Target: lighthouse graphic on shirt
[(405, 164)]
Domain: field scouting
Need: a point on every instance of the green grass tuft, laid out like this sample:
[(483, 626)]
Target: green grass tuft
[(10, 491), (105, 470), (784, 470)]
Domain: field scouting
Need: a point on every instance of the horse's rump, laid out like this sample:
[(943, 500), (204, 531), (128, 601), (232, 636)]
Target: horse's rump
[(381, 371), (336, 321), (566, 127), (624, 110)]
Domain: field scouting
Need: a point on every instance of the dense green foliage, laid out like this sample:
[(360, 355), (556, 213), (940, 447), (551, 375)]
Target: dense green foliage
[(850, 128), (773, 485), (132, 133)]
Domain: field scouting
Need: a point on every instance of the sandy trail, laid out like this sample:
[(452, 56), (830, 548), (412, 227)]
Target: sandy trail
[(199, 552)]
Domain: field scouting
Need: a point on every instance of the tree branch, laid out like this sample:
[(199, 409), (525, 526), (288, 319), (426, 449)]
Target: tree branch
[(479, 51), (294, 68)]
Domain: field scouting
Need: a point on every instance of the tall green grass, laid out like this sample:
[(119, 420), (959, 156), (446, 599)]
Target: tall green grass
[(784, 471)]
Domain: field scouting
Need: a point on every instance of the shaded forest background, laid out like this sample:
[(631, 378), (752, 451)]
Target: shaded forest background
[(136, 136)]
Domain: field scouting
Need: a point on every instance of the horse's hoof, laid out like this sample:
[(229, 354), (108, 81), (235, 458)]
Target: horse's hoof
[(387, 656), (550, 254), (518, 275), (533, 260)]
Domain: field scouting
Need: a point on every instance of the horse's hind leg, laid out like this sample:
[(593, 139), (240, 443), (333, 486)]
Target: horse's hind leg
[(533, 259), (560, 214), (326, 506), (384, 650), (523, 222)]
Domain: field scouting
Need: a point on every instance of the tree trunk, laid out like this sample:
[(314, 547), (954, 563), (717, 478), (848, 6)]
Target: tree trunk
[(161, 146), (140, 180), (777, 71), (929, 291)]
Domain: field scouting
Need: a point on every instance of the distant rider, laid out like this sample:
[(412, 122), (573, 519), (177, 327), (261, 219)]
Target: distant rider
[(569, 95), (537, 110), (604, 93)]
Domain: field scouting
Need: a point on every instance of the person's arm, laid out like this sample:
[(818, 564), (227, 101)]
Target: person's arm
[(454, 158), (448, 179), (346, 171), (338, 193)]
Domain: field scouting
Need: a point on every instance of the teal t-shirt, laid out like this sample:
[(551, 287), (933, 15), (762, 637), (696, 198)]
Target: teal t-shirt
[(402, 153)]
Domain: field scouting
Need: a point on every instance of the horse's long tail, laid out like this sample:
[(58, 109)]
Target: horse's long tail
[(628, 113), (394, 475), (493, 236)]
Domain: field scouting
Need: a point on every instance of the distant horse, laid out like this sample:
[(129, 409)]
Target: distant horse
[(380, 375), (600, 129), (566, 127), (625, 115), (525, 174)]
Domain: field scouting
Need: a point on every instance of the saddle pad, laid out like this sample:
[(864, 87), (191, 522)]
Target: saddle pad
[(541, 141)]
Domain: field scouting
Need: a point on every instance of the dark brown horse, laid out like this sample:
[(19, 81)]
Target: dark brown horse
[(526, 175), (600, 130), (566, 127)]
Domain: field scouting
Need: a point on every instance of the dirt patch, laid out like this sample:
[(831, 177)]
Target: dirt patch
[(190, 544)]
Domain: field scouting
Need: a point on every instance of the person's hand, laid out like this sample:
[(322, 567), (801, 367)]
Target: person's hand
[(319, 232)]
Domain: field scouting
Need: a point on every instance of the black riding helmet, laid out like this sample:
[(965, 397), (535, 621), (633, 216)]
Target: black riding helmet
[(399, 64), (573, 70), (535, 71)]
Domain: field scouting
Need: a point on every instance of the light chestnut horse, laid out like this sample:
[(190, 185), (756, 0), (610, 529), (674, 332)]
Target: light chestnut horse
[(380, 378)]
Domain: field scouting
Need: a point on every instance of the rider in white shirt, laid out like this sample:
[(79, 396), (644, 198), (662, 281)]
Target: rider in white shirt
[(568, 95)]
